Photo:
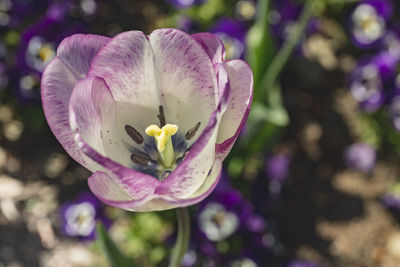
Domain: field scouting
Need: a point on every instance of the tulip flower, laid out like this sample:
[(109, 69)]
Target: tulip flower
[(152, 116)]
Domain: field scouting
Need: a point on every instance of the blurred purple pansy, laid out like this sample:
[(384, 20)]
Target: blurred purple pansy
[(232, 33), (152, 116), (392, 198), (391, 43), (28, 85), (14, 12), (368, 21), (38, 47), (189, 258), (282, 17), (366, 85), (277, 167), (79, 217), (360, 156), (301, 263), (225, 212), (256, 224), (184, 3), (216, 222)]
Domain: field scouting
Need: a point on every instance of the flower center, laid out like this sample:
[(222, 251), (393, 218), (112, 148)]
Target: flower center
[(46, 53), (161, 156), (163, 141), (80, 219)]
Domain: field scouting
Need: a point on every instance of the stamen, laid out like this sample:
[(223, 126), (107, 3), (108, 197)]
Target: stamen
[(162, 138), (163, 135), (140, 159), (191, 133), (161, 116), (134, 134)]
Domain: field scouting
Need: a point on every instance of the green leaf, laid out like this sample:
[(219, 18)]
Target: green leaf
[(264, 124), (115, 257), (260, 45)]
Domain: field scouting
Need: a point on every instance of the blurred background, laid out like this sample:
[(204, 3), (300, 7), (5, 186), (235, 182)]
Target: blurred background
[(312, 181)]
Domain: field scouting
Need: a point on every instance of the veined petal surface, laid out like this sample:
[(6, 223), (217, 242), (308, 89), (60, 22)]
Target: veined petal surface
[(240, 97), (74, 57), (167, 68)]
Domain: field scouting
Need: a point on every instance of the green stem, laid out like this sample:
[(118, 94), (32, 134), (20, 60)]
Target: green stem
[(270, 77), (183, 237)]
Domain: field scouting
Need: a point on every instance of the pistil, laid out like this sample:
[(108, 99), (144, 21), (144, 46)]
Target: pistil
[(163, 142)]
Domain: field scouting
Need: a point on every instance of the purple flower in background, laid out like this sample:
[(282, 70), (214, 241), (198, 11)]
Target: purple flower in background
[(301, 263), (186, 24), (256, 224), (14, 12), (366, 85), (232, 33), (189, 258), (39, 41), (184, 3), (391, 44), (368, 21), (360, 157), (28, 85), (284, 15), (79, 217), (218, 218), (391, 201), (216, 222), (152, 116), (224, 212), (392, 198), (38, 47), (277, 169)]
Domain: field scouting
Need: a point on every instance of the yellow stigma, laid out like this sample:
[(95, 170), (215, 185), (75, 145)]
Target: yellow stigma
[(163, 141), (163, 135)]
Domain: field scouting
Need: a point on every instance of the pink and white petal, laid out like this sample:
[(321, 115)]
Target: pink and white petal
[(197, 164), (184, 68), (58, 81), (139, 186), (189, 92), (78, 51), (212, 44), (90, 109), (241, 95), (167, 68), (106, 188), (126, 63), (193, 170), (110, 192), (204, 190), (163, 202), (223, 85)]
